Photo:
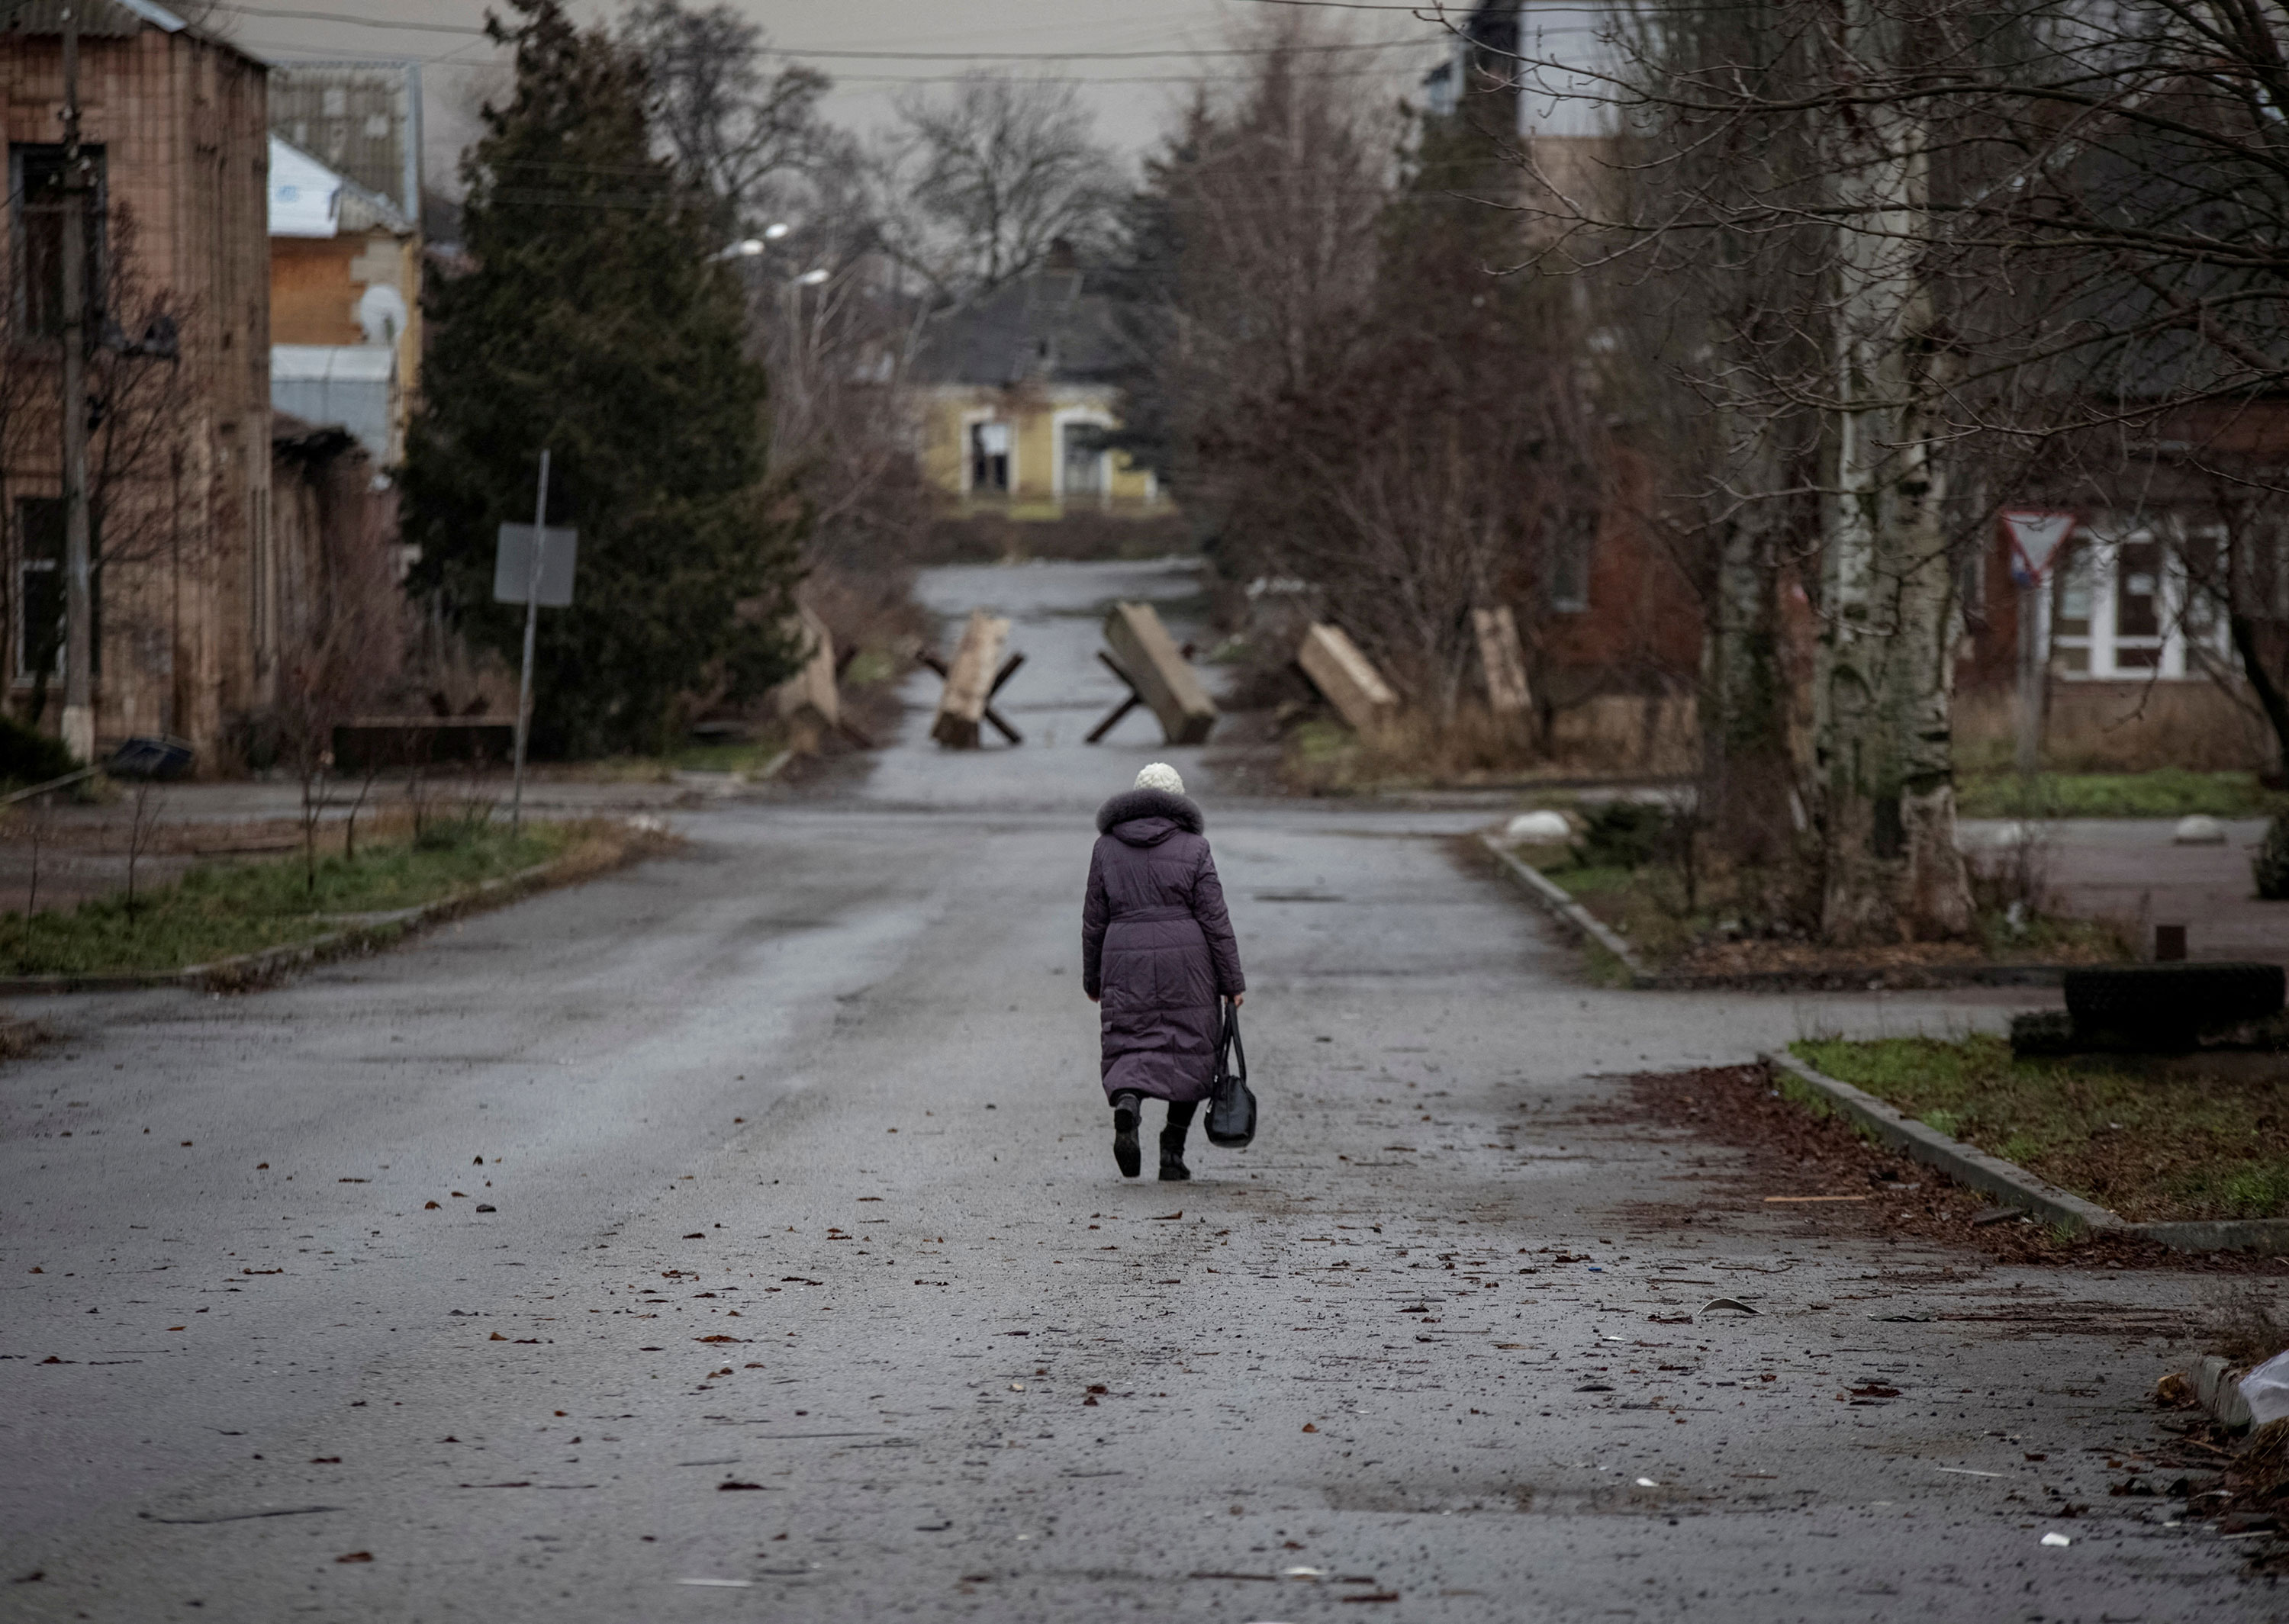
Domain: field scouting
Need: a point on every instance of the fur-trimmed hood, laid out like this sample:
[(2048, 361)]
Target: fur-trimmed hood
[(1147, 807)]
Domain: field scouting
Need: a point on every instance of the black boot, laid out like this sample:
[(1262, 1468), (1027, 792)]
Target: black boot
[(1124, 1136), (1172, 1144)]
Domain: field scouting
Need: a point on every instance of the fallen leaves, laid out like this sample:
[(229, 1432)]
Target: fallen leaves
[(429, 1206), (356, 1556)]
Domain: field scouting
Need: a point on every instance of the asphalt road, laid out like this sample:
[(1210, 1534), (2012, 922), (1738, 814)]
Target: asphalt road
[(809, 1290)]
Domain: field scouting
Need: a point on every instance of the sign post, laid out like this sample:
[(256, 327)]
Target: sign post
[(532, 565), (2037, 537)]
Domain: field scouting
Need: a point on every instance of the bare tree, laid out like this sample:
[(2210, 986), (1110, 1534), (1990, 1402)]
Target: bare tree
[(2038, 251), (1338, 375), (740, 133), (982, 179), (137, 402), (148, 810), (834, 314)]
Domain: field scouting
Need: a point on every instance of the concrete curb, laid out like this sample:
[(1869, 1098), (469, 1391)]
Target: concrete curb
[(1903, 978), (1562, 906), (1567, 912), (2268, 1236), (2014, 1186), (242, 969), (1966, 1165)]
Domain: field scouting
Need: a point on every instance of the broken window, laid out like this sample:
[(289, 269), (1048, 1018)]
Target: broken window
[(35, 187), (1086, 470), (40, 586), (1573, 536), (989, 458), (40, 590)]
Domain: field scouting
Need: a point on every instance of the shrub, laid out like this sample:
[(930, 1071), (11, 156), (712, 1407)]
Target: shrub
[(2270, 866), (28, 756), (1623, 834)]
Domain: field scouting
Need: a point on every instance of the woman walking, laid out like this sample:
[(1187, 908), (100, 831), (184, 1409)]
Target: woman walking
[(1156, 954)]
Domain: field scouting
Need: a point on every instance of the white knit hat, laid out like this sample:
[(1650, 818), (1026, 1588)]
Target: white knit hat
[(1161, 776)]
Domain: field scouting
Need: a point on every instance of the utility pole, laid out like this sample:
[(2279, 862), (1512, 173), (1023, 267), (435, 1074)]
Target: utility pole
[(531, 624), (79, 598), (2027, 758), (2037, 537)]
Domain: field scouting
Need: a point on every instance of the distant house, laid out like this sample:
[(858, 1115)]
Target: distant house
[(345, 302), (2130, 625), (186, 579), (1017, 390)]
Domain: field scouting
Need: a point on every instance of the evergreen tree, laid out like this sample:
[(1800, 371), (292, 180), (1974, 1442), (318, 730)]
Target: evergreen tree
[(594, 320)]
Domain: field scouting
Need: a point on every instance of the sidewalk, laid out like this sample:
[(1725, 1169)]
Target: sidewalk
[(81, 850), (2107, 868)]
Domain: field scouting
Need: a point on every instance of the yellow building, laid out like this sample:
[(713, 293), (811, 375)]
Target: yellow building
[(1017, 390)]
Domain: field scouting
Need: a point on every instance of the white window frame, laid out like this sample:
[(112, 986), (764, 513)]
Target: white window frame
[(2096, 554), (1063, 417), (971, 420)]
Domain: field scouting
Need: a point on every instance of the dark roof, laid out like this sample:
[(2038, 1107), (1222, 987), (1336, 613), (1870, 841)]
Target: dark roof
[(109, 19), (1044, 326)]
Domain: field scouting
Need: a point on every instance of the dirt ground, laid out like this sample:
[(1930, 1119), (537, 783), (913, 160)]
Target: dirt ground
[(1793, 1153)]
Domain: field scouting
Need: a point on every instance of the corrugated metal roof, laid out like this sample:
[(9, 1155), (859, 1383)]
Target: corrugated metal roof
[(360, 119), (310, 199)]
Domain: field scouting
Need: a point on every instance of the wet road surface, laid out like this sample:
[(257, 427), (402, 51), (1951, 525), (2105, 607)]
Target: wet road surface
[(809, 1290)]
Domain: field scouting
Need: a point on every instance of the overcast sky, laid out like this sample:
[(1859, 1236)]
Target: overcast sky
[(1132, 96)]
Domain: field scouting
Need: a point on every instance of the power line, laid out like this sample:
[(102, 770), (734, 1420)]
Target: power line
[(277, 54), (839, 55)]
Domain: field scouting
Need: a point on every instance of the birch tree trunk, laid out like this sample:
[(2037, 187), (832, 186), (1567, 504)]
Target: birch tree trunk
[(1884, 745)]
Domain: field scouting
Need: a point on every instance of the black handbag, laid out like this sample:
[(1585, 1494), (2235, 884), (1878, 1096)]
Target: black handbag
[(1231, 1104)]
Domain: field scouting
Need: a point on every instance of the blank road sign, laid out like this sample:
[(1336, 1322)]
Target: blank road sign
[(512, 565)]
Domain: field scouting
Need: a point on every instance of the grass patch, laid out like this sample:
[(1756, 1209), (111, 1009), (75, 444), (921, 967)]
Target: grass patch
[(1589, 880), (1649, 907), (2152, 1147), (222, 909), (735, 756), (2167, 791)]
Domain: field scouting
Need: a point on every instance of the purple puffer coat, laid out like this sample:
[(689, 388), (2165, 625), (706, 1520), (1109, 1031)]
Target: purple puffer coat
[(1156, 946)]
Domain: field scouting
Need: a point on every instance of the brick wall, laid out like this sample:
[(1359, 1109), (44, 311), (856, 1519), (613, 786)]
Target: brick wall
[(189, 590)]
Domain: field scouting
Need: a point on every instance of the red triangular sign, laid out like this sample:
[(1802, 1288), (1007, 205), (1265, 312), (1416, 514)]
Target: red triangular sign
[(2037, 535)]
